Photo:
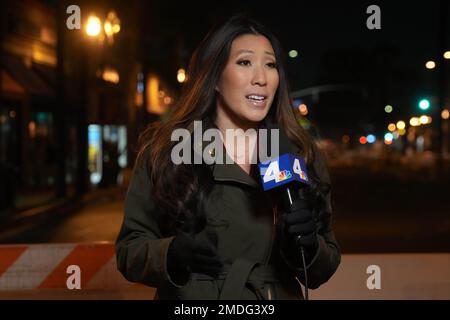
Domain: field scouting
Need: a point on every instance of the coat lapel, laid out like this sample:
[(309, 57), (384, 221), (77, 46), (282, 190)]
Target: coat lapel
[(226, 170)]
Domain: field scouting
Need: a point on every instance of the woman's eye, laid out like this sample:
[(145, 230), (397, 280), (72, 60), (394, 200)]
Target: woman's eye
[(244, 62), (272, 65)]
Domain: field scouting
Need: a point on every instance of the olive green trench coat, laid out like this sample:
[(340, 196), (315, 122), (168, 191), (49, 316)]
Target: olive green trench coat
[(244, 222)]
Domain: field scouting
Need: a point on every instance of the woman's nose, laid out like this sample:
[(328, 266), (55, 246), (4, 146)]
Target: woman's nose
[(259, 76)]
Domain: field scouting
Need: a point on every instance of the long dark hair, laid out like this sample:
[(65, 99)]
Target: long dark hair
[(178, 190)]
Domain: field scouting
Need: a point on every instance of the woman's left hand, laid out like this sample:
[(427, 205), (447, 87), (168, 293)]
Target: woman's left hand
[(300, 225)]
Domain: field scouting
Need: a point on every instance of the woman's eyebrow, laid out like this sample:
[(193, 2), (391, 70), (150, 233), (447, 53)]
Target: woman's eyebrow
[(251, 51)]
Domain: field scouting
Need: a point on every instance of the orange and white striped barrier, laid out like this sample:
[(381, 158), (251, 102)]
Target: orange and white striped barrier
[(66, 267), (72, 271)]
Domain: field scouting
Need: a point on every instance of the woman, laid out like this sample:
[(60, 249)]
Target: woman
[(209, 231)]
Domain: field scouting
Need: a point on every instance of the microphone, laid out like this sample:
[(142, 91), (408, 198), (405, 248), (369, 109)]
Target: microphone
[(286, 173)]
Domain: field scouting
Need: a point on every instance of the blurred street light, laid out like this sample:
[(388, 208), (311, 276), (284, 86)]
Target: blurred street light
[(167, 100), (414, 121), (181, 75), (111, 75), (362, 140), (401, 125), (391, 127), (425, 120), (388, 108), (430, 65), (108, 28), (447, 55), (371, 138), (445, 114), (93, 26), (303, 109), (293, 53), (424, 104), (388, 136), (112, 25)]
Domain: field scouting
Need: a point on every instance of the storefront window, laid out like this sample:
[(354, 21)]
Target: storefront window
[(107, 153), (95, 153)]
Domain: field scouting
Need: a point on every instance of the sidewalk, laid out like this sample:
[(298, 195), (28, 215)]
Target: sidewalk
[(13, 225)]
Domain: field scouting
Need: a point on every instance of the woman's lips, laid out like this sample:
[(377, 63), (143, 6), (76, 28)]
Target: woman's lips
[(257, 100)]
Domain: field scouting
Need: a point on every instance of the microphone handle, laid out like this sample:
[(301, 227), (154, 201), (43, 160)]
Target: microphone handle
[(290, 194)]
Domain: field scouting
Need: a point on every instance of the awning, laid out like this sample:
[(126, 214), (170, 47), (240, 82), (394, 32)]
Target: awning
[(30, 82)]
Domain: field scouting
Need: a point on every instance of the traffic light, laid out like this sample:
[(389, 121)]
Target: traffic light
[(424, 104)]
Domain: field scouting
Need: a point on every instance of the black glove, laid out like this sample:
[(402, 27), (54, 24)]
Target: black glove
[(300, 226), (186, 255)]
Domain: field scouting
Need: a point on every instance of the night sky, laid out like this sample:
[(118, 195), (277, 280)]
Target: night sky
[(335, 47), (317, 27)]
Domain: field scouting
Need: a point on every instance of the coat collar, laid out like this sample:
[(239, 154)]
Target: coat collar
[(230, 171), (226, 170)]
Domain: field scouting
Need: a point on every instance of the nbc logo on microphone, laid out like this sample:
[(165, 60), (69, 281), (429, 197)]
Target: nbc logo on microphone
[(285, 174)]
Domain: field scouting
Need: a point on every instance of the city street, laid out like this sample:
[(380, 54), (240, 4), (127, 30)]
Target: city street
[(373, 213), (382, 212)]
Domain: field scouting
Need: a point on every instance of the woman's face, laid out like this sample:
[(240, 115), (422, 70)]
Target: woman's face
[(249, 80)]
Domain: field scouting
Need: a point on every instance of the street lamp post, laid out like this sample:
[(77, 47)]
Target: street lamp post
[(97, 31), (444, 7), (61, 109), (82, 152)]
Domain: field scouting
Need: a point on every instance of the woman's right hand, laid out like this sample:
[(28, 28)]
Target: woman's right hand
[(186, 255)]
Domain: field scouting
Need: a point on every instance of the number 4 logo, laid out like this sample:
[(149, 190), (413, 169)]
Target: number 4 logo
[(298, 170), (272, 172)]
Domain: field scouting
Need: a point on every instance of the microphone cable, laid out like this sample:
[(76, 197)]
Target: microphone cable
[(302, 251)]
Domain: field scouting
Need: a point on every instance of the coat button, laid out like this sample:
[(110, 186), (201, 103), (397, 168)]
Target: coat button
[(212, 152)]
